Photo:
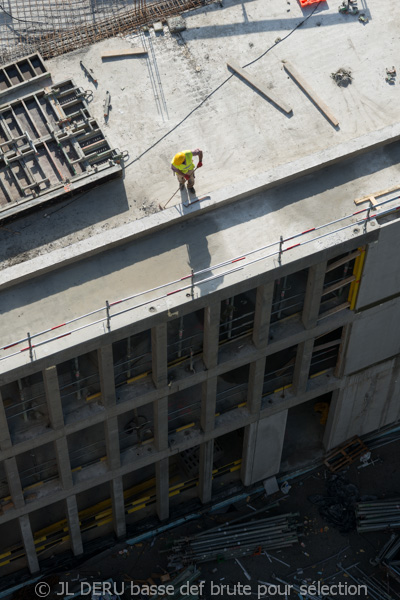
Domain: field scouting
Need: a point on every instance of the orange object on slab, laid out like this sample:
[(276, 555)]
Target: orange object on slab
[(307, 2)]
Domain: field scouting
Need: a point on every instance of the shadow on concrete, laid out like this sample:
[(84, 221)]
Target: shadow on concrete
[(59, 219), (247, 27)]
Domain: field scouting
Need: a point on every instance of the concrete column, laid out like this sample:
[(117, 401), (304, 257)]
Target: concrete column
[(162, 488), (159, 355), (111, 434), (73, 525), (208, 404), (262, 317), (63, 462), (5, 439), (14, 482), (118, 507), (302, 366), (256, 382), (212, 316), (205, 471), (29, 545), (262, 448), (341, 361), (53, 397), (312, 300), (160, 417), (106, 371)]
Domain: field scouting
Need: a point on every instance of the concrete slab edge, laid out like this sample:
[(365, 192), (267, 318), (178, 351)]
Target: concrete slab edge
[(148, 225)]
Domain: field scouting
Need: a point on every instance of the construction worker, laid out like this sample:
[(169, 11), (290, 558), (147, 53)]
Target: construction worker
[(182, 165)]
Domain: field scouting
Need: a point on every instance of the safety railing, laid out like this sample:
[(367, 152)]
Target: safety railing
[(188, 282)]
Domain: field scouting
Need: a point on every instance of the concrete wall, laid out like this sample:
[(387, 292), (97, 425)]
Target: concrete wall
[(381, 276), (368, 401), (374, 336), (267, 446)]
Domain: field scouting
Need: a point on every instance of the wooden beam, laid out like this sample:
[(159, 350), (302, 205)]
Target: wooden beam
[(259, 87), (129, 52), (301, 82), (372, 197)]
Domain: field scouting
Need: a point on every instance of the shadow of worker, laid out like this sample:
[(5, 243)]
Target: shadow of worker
[(196, 234)]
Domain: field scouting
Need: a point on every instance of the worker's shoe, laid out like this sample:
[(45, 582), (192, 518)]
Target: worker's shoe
[(181, 186), (192, 190)]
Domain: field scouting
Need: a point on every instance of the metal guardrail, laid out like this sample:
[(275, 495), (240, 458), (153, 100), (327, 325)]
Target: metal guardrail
[(194, 279)]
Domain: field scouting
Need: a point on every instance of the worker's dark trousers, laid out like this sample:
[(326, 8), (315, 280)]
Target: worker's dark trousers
[(190, 182)]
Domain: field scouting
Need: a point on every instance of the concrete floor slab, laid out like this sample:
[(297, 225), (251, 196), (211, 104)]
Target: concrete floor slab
[(241, 133)]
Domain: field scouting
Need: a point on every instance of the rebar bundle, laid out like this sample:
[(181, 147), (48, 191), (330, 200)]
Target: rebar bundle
[(238, 539), (54, 27), (378, 515)]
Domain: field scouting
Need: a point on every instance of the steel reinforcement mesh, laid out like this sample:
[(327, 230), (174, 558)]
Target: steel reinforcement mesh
[(54, 27)]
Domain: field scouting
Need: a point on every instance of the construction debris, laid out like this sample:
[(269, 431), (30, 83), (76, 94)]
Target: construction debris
[(183, 586), (391, 75), (342, 77), (345, 454), (337, 507), (301, 82), (234, 540), (379, 515), (376, 589), (107, 105), (349, 7), (119, 53), (176, 24), (88, 71)]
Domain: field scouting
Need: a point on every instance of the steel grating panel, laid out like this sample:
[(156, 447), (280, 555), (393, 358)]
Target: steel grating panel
[(50, 146)]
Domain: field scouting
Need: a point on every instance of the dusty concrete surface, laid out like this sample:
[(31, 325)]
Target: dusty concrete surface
[(316, 559), (241, 133)]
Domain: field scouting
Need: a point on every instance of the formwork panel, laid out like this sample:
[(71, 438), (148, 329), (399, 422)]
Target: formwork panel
[(50, 146)]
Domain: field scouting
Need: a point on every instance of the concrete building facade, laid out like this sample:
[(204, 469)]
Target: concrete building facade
[(174, 353), (225, 383)]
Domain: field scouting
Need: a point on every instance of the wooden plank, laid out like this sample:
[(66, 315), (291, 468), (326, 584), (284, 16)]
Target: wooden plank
[(301, 82), (129, 52), (260, 87), (338, 285), (376, 195), (343, 261)]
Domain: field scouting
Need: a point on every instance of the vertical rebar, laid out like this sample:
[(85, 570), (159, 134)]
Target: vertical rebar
[(30, 346)]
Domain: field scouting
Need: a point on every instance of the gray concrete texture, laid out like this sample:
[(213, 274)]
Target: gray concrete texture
[(241, 133)]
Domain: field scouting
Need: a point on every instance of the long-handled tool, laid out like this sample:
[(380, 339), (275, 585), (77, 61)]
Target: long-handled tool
[(161, 207)]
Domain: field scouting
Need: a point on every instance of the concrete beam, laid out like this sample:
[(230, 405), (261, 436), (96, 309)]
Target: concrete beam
[(118, 507), (312, 300), (14, 482), (205, 471), (162, 488), (53, 397), (212, 316), (256, 382), (73, 525), (106, 371), (159, 355), (29, 545), (63, 463), (5, 438), (262, 316)]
